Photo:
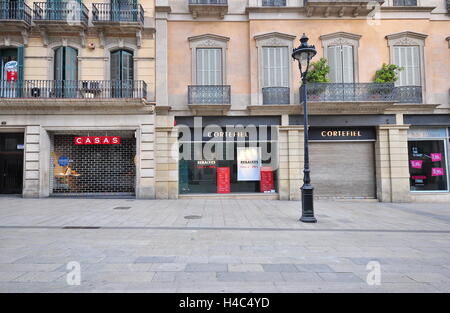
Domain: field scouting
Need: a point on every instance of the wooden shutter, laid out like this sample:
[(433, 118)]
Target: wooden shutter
[(21, 62), (115, 66), (58, 64), (408, 57), (127, 66), (71, 64), (209, 66), (347, 64), (334, 61), (275, 67)]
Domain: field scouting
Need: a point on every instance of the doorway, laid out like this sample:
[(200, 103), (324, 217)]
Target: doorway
[(11, 163)]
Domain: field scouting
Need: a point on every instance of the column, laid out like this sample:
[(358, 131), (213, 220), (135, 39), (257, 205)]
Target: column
[(146, 185), (31, 161)]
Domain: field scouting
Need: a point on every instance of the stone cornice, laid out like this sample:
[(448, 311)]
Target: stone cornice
[(409, 34), (340, 35), (209, 36), (274, 35)]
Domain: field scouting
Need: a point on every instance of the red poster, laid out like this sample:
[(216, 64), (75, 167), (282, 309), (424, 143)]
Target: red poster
[(11, 71), (223, 180), (266, 183), (437, 171)]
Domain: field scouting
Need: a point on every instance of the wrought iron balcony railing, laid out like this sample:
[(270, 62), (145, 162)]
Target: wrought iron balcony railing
[(73, 89), (405, 3), (212, 2), (124, 11), (409, 94), (214, 94), (276, 95), (363, 92), (350, 92), (70, 12), (274, 3), (448, 5), (15, 11)]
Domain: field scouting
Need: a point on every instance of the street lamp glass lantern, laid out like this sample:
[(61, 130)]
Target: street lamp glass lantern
[(303, 54)]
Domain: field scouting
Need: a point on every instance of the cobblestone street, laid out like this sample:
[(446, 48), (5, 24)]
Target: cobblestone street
[(221, 246)]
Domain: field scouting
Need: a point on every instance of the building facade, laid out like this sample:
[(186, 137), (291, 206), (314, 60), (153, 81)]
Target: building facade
[(230, 123), (77, 98)]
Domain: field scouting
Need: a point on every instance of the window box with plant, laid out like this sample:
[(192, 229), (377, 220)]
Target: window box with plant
[(384, 82)]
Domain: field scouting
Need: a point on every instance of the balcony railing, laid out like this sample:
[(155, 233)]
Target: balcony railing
[(363, 92), (448, 5), (15, 11), (274, 3), (409, 94), (350, 92), (276, 95), (209, 94), (213, 2), (127, 11), (405, 3), (70, 12), (73, 89)]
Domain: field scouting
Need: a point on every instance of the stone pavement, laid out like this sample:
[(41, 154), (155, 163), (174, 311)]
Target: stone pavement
[(235, 246)]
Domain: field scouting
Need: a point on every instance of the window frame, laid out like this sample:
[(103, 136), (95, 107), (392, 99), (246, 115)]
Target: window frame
[(343, 39), (273, 39), (204, 42)]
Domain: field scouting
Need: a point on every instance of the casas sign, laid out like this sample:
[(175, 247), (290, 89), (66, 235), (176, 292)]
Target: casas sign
[(97, 140)]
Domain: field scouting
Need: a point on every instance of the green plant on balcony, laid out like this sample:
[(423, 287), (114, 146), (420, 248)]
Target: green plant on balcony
[(317, 74), (387, 74)]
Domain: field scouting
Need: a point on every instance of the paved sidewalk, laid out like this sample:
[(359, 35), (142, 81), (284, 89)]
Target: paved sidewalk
[(235, 246)]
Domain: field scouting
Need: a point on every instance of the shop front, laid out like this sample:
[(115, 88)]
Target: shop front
[(222, 158), (93, 163), (343, 162)]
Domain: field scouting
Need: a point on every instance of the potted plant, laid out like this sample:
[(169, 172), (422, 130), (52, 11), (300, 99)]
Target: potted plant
[(388, 74), (317, 74)]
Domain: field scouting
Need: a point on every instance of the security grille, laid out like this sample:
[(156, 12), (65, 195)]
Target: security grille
[(93, 169)]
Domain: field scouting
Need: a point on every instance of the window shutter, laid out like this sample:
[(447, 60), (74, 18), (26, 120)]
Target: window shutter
[(127, 65), (209, 66), (347, 64), (58, 66), (408, 57), (334, 61), (71, 62), (115, 65), (275, 67), (21, 62)]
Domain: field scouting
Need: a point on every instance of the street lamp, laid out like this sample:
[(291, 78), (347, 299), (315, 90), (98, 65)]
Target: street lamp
[(303, 54)]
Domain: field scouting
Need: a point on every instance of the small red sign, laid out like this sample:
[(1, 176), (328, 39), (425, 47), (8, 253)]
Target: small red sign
[(223, 180), (11, 71), (266, 183), (97, 140)]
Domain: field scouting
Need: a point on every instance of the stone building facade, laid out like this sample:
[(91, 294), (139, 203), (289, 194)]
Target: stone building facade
[(227, 64), (77, 98)]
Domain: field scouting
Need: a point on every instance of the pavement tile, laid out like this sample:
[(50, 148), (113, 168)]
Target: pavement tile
[(206, 267), (279, 268), (155, 259), (249, 276), (301, 277), (245, 268), (317, 268), (340, 277)]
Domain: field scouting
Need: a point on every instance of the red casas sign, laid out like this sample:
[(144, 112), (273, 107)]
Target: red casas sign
[(97, 140), (11, 71)]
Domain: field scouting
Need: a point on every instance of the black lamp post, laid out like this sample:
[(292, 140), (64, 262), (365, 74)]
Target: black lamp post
[(303, 54)]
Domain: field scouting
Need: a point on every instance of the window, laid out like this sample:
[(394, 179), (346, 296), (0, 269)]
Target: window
[(341, 52), (427, 166), (275, 67), (404, 3), (408, 57), (122, 73), (209, 66), (65, 72), (340, 60)]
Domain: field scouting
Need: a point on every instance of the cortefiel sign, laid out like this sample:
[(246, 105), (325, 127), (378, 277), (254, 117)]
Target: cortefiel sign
[(97, 140), (249, 163), (342, 133)]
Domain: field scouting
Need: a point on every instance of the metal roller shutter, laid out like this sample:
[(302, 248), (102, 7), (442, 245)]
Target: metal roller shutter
[(343, 170)]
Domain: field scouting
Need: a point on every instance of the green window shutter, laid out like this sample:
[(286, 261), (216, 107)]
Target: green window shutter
[(21, 62)]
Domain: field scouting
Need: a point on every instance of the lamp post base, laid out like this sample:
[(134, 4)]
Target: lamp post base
[(308, 204)]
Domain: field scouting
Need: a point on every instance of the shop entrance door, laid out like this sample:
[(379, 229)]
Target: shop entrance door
[(11, 163)]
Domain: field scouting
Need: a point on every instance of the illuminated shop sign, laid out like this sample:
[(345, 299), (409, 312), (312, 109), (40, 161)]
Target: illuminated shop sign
[(342, 133), (97, 140)]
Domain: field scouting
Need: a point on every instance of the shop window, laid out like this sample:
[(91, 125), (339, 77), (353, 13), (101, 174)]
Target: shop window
[(428, 165)]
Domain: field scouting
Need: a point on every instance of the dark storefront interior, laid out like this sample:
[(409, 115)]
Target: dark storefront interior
[(11, 163), (93, 169)]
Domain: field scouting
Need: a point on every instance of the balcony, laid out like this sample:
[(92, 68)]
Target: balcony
[(61, 15), (15, 14), (126, 14), (408, 94), (276, 95), (274, 3), (73, 89), (208, 8), (209, 100), (340, 8), (448, 6)]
